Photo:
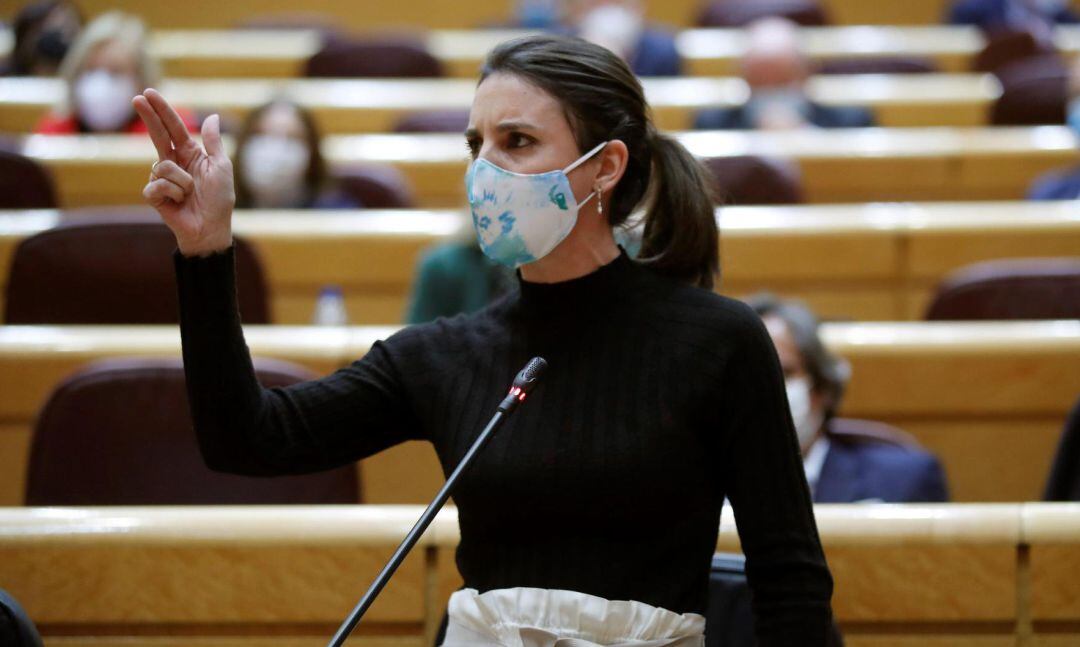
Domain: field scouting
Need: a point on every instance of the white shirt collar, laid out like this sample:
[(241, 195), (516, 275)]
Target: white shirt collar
[(815, 461)]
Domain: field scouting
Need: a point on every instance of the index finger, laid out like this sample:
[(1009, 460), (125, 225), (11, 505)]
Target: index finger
[(157, 131), (173, 123)]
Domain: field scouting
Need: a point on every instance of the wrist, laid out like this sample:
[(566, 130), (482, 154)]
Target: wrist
[(206, 247)]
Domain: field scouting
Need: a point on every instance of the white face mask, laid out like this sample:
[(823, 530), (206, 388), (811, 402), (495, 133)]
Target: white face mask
[(613, 26), (103, 100), (807, 421), (778, 103), (520, 218), (274, 168)]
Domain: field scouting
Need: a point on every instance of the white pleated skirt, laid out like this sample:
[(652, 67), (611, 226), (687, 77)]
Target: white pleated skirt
[(529, 617)]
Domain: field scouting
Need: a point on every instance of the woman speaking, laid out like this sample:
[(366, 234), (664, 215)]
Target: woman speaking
[(594, 514)]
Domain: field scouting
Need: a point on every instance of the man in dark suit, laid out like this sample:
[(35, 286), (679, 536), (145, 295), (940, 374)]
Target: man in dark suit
[(776, 70), (994, 15), (843, 465), (1063, 184)]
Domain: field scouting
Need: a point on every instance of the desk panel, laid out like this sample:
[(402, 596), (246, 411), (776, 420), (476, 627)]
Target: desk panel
[(857, 165), (351, 106)]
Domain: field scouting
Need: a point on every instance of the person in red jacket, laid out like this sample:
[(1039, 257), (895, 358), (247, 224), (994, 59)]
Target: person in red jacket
[(107, 65)]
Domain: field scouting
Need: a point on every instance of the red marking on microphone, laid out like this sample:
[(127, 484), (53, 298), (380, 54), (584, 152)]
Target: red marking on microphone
[(515, 390), (521, 397)]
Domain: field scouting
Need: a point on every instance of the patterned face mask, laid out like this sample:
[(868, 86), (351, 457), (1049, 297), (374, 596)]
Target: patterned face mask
[(519, 218)]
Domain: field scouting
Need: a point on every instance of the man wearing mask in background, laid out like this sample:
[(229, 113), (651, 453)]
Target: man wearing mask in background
[(44, 32), (1063, 184), (776, 71), (841, 466), (618, 25)]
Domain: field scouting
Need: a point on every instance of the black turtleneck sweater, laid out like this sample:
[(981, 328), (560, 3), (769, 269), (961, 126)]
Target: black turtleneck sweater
[(660, 399)]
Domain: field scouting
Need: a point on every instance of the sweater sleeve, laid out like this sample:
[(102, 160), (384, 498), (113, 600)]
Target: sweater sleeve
[(789, 579), (245, 429)]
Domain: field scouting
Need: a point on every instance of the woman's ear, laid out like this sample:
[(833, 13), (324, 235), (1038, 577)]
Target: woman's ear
[(613, 159)]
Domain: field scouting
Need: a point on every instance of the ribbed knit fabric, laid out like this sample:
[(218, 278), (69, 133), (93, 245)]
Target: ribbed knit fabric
[(660, 399)]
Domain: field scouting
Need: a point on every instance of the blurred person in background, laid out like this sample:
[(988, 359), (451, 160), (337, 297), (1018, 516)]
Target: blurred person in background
[(1063, 184), (995, 15), (457, 277), (279, 164), (106, 66), (840, 468), (44, 32), (618, 25), (776, 70)]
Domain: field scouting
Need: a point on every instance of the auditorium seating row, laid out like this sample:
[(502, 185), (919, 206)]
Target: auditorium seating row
[(856, 165), (367, 14), (359, 106), (705, 52), (989, 398), (960, 575), (863, 262)]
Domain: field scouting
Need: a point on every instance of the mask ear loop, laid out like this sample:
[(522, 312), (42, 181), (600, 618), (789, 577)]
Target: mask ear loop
[(584, 158), (581, 160)]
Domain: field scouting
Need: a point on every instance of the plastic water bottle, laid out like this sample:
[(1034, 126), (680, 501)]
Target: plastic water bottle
[(330, 308)]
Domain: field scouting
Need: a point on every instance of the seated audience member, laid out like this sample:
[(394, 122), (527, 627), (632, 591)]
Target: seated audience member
[(994, 15), (839, 469), (618, 25), (107, 65), (278, 164), (1063, 184), (776, 70), (456, 277), (44, 31)]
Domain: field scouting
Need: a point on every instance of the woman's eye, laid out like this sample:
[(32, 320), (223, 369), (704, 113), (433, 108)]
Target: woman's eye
[(518, 141), (473, 146)]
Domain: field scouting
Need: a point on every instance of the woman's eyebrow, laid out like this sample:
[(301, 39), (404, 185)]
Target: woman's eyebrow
[(514, 125)]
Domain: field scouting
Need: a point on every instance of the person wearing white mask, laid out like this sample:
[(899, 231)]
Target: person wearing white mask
[(278, 162), (601, 497), (776, 71), (1063, 184), (103, 70), (842, 465), (618, 25)]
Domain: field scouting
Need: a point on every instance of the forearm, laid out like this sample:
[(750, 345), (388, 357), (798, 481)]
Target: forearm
[(225, 397)]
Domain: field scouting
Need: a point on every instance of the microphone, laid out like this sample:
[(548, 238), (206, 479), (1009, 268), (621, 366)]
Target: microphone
[(524, 383)]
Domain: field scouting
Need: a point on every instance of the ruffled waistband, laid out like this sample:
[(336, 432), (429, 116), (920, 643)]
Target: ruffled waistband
[(531, 617)]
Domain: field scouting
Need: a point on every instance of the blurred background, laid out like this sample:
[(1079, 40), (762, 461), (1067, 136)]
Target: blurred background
[(896, 186)]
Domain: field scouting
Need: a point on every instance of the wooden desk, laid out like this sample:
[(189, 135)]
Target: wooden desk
[(371, 14), (904, 575), (274, 53), (1051, 533), (855, 262), (989, 398), (858, 165), (362, 106)]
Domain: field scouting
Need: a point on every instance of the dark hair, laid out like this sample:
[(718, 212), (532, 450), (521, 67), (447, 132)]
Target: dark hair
[(828, 372), (603, 101), (27, 25), (315, 179)]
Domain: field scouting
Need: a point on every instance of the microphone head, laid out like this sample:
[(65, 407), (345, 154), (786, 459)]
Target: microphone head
[(530, 375)]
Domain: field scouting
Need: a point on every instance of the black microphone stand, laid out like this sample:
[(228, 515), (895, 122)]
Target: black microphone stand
[(523, 383)]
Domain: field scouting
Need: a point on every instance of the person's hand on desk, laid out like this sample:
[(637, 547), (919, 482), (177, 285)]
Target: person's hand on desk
[(191, 185)]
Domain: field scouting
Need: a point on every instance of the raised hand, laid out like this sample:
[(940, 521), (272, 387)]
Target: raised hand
[(191, 185)]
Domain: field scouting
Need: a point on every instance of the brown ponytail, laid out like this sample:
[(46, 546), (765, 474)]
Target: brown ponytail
[(603, 100), (681, 238)]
